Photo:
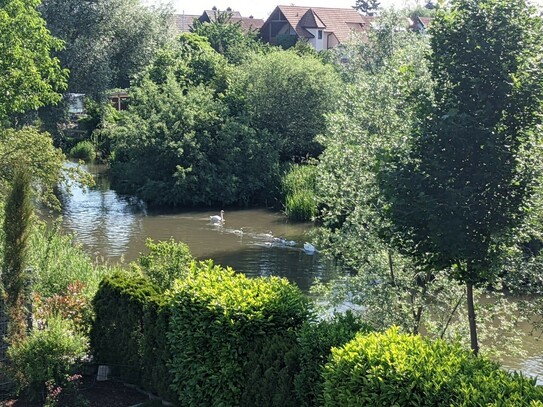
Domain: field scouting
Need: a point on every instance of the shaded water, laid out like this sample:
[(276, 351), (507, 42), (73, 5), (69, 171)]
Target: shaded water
[(115, 228)]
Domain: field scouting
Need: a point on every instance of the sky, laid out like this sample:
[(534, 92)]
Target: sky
[(263, 8)]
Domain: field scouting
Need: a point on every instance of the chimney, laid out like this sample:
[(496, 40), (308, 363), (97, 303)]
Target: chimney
[(214, 8), (228, 9)]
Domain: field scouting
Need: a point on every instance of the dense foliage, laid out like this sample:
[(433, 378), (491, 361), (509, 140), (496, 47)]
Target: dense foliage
[(34, 151), (371, 135), (228, 38), (298, 189), (316, 340), (47, 357), (57, 261), (117, 332), (217, 315), (398, 369), (467, 182), (203, 131), (107, 42), (30, 77), (15, 278), (165, 262)]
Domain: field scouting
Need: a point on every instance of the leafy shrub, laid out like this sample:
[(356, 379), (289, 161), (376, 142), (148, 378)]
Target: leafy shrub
[(165, 262), (73, 306), (398, 369), (117, 332), (217, 316), (83, 150), (156, 352), (57, 263), (316, 340), (47, 356), (299, 192), (272, 363)]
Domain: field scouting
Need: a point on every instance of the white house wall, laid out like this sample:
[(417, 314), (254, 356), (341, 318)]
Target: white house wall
[(315, 42)]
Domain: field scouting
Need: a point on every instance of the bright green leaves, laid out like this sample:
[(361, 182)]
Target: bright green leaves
[(396, 369), (29, 76), (218, 317)]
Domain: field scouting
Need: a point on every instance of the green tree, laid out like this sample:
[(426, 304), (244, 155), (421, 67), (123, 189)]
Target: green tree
[(17, 222), (288, 96), (108, 42), (387, 83), (227, 37), (388, 87), (30, 149), (367, 7), (472, 169), (29, 76)]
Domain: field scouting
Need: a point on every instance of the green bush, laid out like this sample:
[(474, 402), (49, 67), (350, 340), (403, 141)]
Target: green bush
[(316, 340), (217, 317), (298, 186), (57, 263), (155, 351), (117, 333), (396, 369), (83, 150), (165, 262), (47, 355), (272, 363)]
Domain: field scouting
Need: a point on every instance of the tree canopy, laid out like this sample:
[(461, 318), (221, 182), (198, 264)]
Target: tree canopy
[(108, 42), (473, 164), (30, 77)]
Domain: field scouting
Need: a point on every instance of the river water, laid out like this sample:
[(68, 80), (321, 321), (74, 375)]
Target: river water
[(256, 242), (114, 228)]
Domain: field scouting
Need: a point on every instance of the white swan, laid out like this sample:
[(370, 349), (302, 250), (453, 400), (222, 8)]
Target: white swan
[(309, 248), (217, 218)]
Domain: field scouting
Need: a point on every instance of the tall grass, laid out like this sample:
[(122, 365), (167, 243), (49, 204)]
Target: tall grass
[(56, 262), (84, 150), (298, 186)]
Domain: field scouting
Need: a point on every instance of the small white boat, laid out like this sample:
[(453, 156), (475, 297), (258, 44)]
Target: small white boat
[(309, 248)]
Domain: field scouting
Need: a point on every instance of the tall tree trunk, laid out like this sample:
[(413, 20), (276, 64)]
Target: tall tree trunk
[(472, 322), (391, 269)]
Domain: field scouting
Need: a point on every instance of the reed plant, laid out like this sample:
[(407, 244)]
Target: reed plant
[(83, 150), (57, 262), (298, 187)]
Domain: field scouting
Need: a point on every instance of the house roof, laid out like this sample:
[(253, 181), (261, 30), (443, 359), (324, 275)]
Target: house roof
[(211, 15), (183, 22), (250, 23), (247, 23), (340, 21)]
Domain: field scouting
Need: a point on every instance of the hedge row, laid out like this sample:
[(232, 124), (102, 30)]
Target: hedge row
[(220, 339), (393, 369)]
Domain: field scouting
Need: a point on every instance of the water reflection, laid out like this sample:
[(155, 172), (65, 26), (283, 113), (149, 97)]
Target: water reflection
[(256, 242)]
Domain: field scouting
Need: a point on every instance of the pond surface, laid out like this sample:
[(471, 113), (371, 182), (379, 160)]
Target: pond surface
[(115, 228), (256, 242)]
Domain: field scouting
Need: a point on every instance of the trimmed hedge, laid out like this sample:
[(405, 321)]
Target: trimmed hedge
[(117, 333), (396, 369), (316, 340), (217, 318)]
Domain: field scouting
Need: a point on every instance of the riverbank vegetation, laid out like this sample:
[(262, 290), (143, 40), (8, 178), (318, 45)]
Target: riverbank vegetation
[(418, 156)]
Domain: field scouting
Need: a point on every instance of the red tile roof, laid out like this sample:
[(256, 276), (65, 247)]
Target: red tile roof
[(183, 22), (340, 21)]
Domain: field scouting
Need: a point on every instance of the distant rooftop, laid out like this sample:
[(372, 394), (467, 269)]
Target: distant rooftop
[(183, 22)]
